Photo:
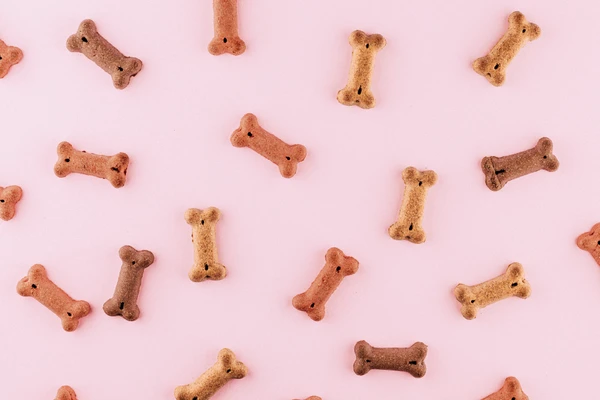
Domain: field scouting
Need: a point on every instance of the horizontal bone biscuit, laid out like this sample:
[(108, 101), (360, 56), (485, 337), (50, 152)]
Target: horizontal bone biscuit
[(590, 242), (511, 390), (227, 38), (411, 359), (206, 258), (9, 197), (9, 56), (66, 393)]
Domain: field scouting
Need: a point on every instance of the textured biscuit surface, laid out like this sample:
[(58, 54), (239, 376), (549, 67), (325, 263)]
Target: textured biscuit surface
[(66, 393), (410, 359), (206, 258), (9, 56), (511, 390), (227, 38), (590, 242), (9, 197)]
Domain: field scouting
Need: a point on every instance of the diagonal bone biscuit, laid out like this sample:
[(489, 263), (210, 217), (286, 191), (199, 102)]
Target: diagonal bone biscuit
[(500, 170), (590, 242), (206, 258), (88, 41), (411, 359), (511, 283), (493, 65), (358, 90), (408, 226), (225, 369), (9, 197), (511, 390), (9, 56), (227, 38), (66, 393)]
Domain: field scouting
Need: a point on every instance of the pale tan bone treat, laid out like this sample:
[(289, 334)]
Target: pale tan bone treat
[(112, 168), (227, 38), (500, 170), (37, 285), (225, 369), (9, 56), (511, 390), (88, 41), (511, 283), (493, 65), (206, 257), (358, 90), (9, 197), (590, 242), (66, 393), (408, 226), (250, 134), (410, 359), (337, 266), (124, 300)]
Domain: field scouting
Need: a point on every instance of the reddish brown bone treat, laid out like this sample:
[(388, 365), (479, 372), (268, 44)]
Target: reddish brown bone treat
[(411, 359), (511, 390), (9, 56), (66, 393), (9, 197), (590, 242), (227, 38), (37, 285), (250, 134), (337, 266)]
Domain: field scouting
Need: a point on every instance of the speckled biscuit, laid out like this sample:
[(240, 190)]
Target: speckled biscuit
[(511, 283), (66, 393), (500, 170), (358, 90), (227, 38), (493, 65), (411, 359), (124, 300), (337, 266), (225, 369), (206, 257), (590, 242), (111, 168), (408, 226), (37, 285), (9, 197), (88, 41), (250, 134), (511, 390), (9, 56)]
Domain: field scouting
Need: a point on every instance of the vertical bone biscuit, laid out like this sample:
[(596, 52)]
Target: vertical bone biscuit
[(411, 359), (511, 390), (66, 393), (206, 258), (9, 197), (590, 242), (500, 170), (88, 41), (250, 134), (511, 283), (408, 226), (227, 38), (493, 65), (37, 285), (111, 168), (9, 56), (225, 369), (358, 90), (337, 266), (124, 300)]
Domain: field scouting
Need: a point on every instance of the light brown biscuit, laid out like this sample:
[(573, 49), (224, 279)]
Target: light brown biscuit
[(206, 257), (88, 41), (66, 393), (37, 285), (511, 390), (410, 359), (500, 170), (493, 65), (511, 283), (124, 300), (225, 369), (112, 168), (358, 90), (408, 226), (590, 242), (9, 56), (227, 38), (250, 134), (337, 266), (9, 197)]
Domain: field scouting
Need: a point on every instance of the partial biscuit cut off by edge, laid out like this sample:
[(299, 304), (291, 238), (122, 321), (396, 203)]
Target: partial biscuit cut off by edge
[(511, 390), (9, 56), (227, 38), (9, 197)]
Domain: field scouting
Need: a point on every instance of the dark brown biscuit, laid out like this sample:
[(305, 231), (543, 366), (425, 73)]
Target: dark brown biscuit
[(411, 359), (66, 393), (227, 38), (590, 242), (511, 390), (9, 56), (9, 197), (204, 238)]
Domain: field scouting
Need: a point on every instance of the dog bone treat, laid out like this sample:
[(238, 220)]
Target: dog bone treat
[(66, 393), (358, 90), (227, 38), (9, 56), (411, 359), (112, 168), (206, 258), (314, 398), (511, 390), (9, 197), (124, 301), (225, 369), (589, 241), (337, 266), (499, 170), (408, 226), (511, 283), (250, 134), (37, 285), (88, 41), (493, 65)]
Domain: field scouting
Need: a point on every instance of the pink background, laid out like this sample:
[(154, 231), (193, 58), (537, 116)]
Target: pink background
[(175, 120)]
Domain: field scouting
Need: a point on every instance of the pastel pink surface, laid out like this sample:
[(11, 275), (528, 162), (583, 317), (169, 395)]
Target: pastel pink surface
[(174, 120)]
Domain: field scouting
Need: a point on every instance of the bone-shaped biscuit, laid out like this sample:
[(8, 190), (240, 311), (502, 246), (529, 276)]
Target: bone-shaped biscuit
[(88, 41), (499, 170), (408, 226), (225, 369), (511, 390), (66, 393), (337, 266), (9, 56), (9, 197), (314, 398), (250, 134), (227, 38), (511, 283), (112, 168), (124, 300), (206, 258), (358, 90), (493, 65), (590, 242), (37, 285), (410, 359)]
